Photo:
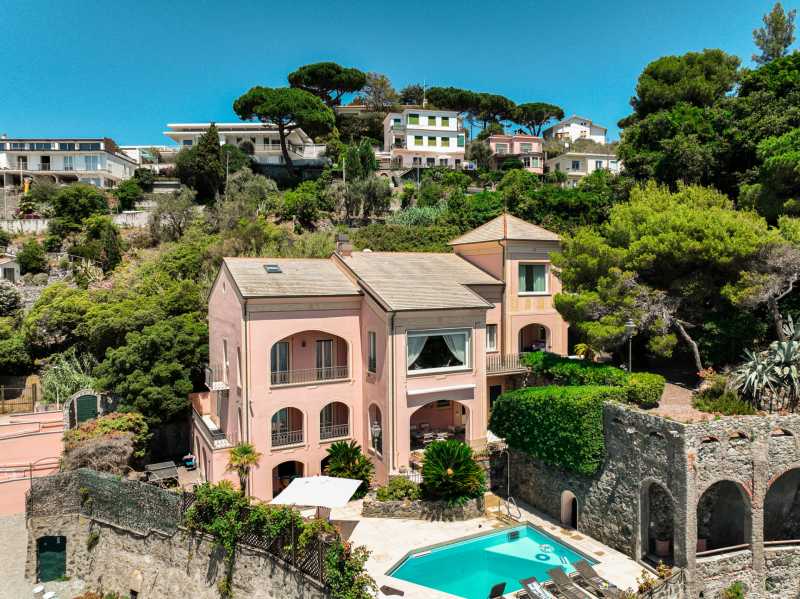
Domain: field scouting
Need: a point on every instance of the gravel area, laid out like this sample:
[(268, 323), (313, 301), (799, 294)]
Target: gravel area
[(14, 540)]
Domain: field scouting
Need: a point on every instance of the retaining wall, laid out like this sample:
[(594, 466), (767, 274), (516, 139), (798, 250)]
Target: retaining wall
[(421, 510)]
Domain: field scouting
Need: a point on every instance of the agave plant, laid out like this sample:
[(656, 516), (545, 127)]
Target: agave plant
[(785, 356), (450, 472), (345, 460), (755, 377)]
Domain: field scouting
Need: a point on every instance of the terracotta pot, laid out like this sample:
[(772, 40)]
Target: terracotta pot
[(662, 548), (702, 545)]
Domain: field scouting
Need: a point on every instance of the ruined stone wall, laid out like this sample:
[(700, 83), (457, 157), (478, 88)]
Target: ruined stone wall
[(157, 565), (421, 509), (686, 461)]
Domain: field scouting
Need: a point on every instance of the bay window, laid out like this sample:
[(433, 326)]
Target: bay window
[(438, 350), (532, 278)]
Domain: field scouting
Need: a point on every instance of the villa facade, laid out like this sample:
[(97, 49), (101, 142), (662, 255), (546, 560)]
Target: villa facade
[(418, 137), (97, 161), (392, 350), (526, 148), (577, 165), (574, 128)]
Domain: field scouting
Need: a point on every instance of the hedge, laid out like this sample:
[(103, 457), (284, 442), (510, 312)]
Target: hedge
[(562, 426), (643, 389)]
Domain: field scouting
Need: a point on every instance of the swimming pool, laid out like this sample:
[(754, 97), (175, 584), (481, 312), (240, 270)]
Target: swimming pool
[(469, 568)]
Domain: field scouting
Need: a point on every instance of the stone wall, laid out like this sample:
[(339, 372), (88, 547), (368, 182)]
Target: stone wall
[(745, 454), (421, 510), (157, 565)]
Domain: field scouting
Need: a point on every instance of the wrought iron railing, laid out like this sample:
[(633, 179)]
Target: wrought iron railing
[(309, 375), (215, 378), (504, 363), (333, 431), (279, 439)]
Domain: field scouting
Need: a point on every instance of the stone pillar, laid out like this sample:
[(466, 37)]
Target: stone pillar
[(760, 485)]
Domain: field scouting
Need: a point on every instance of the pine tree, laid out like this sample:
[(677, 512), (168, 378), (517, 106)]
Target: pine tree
[(201, 168), (776, 36)]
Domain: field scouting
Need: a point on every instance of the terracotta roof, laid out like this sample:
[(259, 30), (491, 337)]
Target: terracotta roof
[(298, 277), (506, 226), (419, 281)]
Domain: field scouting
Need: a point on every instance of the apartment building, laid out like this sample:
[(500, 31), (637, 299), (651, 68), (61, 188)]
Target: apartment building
[(263, 137), (418, 137), (97, 161), (574, 128), (526, 148), (577, 165), (392, 350)]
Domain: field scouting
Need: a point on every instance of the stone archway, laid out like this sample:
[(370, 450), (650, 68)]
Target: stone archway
[(569, 510), (658, 523), (438, 419), (534, 337), (723, 517), (782, 508)]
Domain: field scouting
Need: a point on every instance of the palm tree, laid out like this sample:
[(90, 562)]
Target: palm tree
[(450, 472), (345, 460), (240, 460)]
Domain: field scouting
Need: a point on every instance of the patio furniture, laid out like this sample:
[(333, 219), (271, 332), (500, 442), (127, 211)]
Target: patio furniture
[(497, 590), (565, 585), (388, 591), (594, 580), (533, 589)]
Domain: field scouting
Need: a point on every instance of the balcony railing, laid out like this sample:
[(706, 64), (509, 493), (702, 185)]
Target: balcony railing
[(213, 434), (309, 375), (332, 431), (215, 379), (281, 439), (498, 363)]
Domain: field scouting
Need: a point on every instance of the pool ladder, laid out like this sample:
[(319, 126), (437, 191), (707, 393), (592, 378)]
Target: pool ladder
[(508, 503)]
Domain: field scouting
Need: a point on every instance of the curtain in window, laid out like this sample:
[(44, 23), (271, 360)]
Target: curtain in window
[(457, 346), (523, 278), (538, 278), (415, 347)]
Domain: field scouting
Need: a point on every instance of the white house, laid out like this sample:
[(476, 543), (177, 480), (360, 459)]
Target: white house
[(574, 128), (97, 161), (263, 137), (422, 137), (577, 165)]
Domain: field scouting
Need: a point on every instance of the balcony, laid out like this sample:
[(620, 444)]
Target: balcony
[(309, 375), (334, 421), (334, 431), (215, 379), (206, 422), (281, 439), (504, 364)]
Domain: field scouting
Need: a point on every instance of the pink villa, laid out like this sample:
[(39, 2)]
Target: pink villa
[(527, 148), (392, 350)]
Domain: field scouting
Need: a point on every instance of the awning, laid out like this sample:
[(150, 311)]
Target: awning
[(320, 491)]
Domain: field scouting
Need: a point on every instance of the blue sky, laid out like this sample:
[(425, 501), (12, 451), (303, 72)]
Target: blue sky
[(125, 69)]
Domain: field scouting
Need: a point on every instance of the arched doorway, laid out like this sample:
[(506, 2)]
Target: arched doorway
[(51, 558), (569, 509), (284, 473), (657, 518), (723, 517), (534, 337), (286, 427), (782, 508), (334, 421), (438, 420)]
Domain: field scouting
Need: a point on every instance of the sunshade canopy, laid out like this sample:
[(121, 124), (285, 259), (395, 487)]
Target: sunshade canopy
[(319, 491)]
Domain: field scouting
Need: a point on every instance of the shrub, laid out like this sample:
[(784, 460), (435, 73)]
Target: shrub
[(735, 591), (401, 238), (10, 299), (450, 473), (398, 488), (31, 257), (345, 460), (644, 388), (562, 426), (727, 404), (111, 425)]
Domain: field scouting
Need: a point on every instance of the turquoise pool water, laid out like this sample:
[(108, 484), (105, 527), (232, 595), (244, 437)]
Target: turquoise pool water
[(470, 568)]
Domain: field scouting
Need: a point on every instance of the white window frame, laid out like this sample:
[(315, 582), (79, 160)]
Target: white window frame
[(546, 278), (372, 352), (433, 332), (491, 340)]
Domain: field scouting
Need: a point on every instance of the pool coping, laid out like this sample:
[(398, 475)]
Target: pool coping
[(477, 535)]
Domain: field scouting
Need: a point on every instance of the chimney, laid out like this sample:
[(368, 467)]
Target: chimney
[(343, 245)]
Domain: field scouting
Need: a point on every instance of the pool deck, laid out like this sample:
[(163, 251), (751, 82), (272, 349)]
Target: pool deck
[(390, 540)]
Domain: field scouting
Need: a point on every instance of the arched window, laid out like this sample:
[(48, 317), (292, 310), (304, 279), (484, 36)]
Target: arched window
[(658, 523), (334, 421), (723, 517), (781, 508), (287, 427)]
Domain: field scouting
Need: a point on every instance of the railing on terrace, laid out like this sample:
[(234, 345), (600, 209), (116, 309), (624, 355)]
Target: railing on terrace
[(213, 434), (332, 431), (782, 543), (215, 379), (496, 363), (720, 550), (309, 375), (35, 166), (17, 400), (281, 439)]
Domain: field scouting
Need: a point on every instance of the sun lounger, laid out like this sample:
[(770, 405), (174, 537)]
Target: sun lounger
[(594, 580), (533, 589), (497, 590), (565, 586)]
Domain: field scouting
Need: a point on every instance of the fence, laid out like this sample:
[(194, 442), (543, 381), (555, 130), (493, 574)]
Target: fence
[(17, 400), (142, 507), (673, 587)]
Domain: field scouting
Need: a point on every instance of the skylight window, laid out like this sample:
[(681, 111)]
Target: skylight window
[(273, 269)]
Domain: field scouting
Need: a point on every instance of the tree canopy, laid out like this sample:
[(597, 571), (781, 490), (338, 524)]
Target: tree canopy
[(200, 167), (535, 115), (777, 34), (328, 81)]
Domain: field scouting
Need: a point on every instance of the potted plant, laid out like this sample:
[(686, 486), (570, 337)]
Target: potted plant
[(662, 546)]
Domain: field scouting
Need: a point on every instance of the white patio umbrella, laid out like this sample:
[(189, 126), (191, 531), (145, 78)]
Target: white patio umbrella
[(318, 491)]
